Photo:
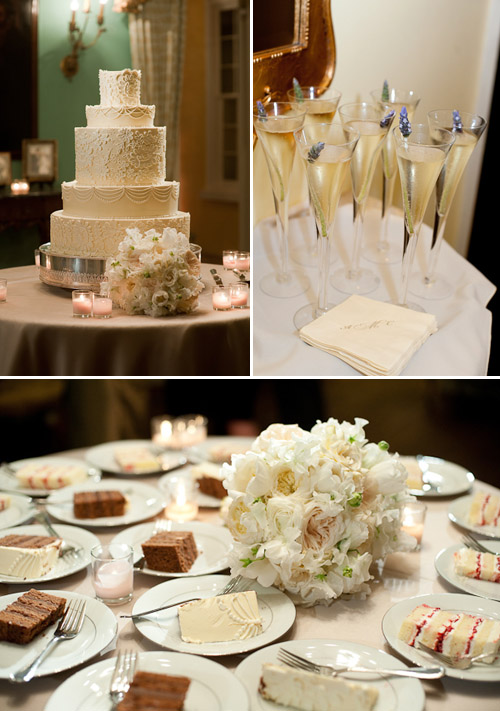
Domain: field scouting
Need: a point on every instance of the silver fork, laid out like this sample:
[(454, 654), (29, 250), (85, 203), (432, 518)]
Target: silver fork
[(236, 584), (66, 549), (69, 626), (463, 662), (293, 660), (471, 542), (122, 676)]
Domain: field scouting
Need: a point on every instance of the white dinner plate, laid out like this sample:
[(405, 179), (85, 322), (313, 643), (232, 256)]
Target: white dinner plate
[(395, 693), (441, 478), (9, 482), (444, 563), (211, 449), (276, 609), (203, 500), (68, 565), (455, 602), (103, 457), (98, 631), (143, 502), (213, 543), (20, 510), (458, 513), (212, 688)]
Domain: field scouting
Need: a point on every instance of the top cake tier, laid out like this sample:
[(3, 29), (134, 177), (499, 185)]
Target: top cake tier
[(120, 88)]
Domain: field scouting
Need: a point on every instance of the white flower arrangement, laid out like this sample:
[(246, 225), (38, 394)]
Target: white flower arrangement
[(311, 510), (154, 274)]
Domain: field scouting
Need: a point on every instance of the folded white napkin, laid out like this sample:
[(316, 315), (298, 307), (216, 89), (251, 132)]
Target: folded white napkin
[(371, 336)]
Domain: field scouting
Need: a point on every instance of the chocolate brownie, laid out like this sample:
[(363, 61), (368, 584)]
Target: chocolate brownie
[(29, 615), (170, 551), (152, 692), (97, 504)]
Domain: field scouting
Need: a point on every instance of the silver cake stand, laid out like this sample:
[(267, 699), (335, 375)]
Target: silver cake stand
[(69, 272)]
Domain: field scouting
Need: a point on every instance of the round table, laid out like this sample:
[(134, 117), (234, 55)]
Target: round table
[(404, 575), (39, 336)]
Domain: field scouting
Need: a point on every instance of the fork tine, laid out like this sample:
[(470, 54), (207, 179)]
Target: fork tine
[(295, 661)]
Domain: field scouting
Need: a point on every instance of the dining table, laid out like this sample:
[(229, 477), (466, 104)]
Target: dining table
[(40, 337), (347, 620)]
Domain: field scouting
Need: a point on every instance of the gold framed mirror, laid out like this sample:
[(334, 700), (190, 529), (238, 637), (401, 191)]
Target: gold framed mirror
[(291, 38)]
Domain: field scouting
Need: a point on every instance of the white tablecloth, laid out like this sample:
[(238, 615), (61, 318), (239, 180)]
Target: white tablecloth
[(460, 347)]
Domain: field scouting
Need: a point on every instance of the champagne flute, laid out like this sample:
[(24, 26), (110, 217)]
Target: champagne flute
[(275, 124), (421, 156), (373, 125), (385, 252), (326, 150), (467, 129)]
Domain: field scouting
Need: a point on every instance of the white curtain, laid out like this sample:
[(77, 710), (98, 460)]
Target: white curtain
[(157, 43)]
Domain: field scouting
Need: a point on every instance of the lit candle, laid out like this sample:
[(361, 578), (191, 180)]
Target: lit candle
[(74, 8), (101, 11), (181, 509), (114, 580), (20, 187), (82, 303), (239, 296), (221, 298), (86, 6), (3, 290), (243, 261), (179, 432), (229, 259), (413, 520), (102, 306)]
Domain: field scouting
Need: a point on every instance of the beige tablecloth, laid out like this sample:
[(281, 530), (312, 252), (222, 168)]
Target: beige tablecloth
[(39, 336)]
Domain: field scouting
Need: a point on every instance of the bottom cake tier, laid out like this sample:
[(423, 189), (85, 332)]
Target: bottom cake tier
[(98, 237)]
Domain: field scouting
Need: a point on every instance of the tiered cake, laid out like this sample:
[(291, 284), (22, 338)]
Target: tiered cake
[(120, 175)]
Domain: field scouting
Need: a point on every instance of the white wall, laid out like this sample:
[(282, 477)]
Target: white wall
[(445, 50)]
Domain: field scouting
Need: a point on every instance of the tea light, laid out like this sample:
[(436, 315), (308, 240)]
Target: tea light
[(243, 261), (19, 187), (112, 572), (229, 258), (3, 290), (221, 298), (239, 296), (182, 507), (102, 306), (82, 303), (413, 520), (178, 432)]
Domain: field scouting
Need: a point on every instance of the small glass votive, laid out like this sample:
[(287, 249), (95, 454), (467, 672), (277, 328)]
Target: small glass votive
[(229, 258), (195, 249), (178, 432), (19, 187), (221, 298), (113, 572), (3, 290), (413, 520), (82, 303), (182, 505), (239, 296), (102, 306), (243, 261)]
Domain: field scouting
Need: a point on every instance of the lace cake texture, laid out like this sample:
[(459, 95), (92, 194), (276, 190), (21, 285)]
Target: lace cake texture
[(120, 88)]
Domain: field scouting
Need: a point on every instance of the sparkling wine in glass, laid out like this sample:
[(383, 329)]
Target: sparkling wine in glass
[(384, 251), (275, 124), (467, 129), (373, 124), (421, 156), (325, 150)]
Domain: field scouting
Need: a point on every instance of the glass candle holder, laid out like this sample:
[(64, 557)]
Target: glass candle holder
[(239, 296), (229, 258), (221, 298), (102, 306), (182, 505), (195, 249), (113, 572), (19, 187), (82, 303), (243, 261), (414, 520), (3, 290), (178, 432)]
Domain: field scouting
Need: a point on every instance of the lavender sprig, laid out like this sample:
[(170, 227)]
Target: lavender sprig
[(314, 151), (297, 91), (261, 111), (385, 91), (387, 119), (457, 123), (404, 122)]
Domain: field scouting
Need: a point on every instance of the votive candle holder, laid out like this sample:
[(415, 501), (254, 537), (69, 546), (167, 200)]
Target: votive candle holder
[(102, 306), (82, 303), (239, 296), (229, 259), (221, 298)]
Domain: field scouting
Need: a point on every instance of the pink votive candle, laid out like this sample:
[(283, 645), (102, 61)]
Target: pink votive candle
[(229, 259), (243, 261), (221, 298), (82, 303), (102, 306), (239, 296), (114, 579)]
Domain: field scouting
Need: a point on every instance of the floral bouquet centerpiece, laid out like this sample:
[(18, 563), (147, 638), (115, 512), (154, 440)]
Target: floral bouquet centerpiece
[(310, 510), (154, 273)]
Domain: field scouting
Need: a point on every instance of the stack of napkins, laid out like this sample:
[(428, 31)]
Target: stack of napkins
[(374, 337)]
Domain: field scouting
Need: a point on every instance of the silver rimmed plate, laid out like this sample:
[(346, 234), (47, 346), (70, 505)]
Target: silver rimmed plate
[(458, 512), (213, 544), (143, 502), (20, 510), (98, 630), (9, 482), (455, 602), (394, 693), (439, 477), (444, 563), (220, 449), (276, 609), (212, 687), (103, 457)]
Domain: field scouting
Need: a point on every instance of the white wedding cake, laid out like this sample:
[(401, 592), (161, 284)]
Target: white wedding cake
[(120, 175)]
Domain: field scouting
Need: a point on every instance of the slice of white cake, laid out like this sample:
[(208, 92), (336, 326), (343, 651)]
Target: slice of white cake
[(308, 691), (49, 476), (415, 474), (28, 556), (481, 566), (223, 618), (5, 501), (136, 459), (484, 510)]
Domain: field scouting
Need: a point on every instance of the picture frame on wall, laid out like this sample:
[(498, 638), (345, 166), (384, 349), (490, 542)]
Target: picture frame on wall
[(40, 160), (5, 168)]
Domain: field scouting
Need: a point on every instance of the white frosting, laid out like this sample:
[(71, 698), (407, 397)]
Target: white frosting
[(120, 156), (29, 562), (49, 476), (5, 502), (100, 237), (116, 116), (120, 88), (222, 618), (136, 459), (120, 201)]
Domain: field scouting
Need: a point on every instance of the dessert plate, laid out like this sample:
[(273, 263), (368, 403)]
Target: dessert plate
[(98, 631), (9, 482), (143, 502), (77, 537), (213, 543), (203, 500), (458, 513), (103, 457), (20, 510), (219, 449), (395, 693), (444, 563), (276, 609), (212, 688), (440, 478), (394, 617)]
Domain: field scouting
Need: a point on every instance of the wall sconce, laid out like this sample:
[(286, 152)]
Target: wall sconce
[(69, 65)]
